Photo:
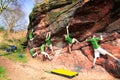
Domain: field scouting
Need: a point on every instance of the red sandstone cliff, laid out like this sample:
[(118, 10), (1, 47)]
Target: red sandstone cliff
[(86, 18)]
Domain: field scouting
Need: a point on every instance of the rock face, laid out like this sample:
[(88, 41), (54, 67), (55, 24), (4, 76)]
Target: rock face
[(85, 18)]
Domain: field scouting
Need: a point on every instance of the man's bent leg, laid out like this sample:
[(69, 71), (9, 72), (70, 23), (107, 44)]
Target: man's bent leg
[(46, 55), (34, 55), (75, 40)]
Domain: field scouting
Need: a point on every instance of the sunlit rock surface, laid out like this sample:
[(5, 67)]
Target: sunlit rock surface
[(86, 17)]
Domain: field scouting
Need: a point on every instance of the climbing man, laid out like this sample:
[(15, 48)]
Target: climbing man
[(70, 40), (36, 51), (31, 35), (48, 41), (42, 50), (98, 50), (33, 52)]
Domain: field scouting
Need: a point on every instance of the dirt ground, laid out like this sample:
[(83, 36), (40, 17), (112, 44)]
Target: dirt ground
[(35, 69)]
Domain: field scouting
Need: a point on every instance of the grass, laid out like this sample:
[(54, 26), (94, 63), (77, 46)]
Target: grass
[(15, 57), (13, 39), (2, 74)]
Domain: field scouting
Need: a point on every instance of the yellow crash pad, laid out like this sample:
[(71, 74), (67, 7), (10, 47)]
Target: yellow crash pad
[(63, 72)]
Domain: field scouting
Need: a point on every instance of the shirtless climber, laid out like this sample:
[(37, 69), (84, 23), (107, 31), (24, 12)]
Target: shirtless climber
[(70, 40), (98, 50)]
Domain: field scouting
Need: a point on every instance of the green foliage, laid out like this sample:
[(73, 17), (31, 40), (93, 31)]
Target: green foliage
[(58, 3), (2, 74), (1, 28), (15, 57), (3, 45), (7, 41), (2, 71), (20, 50)]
